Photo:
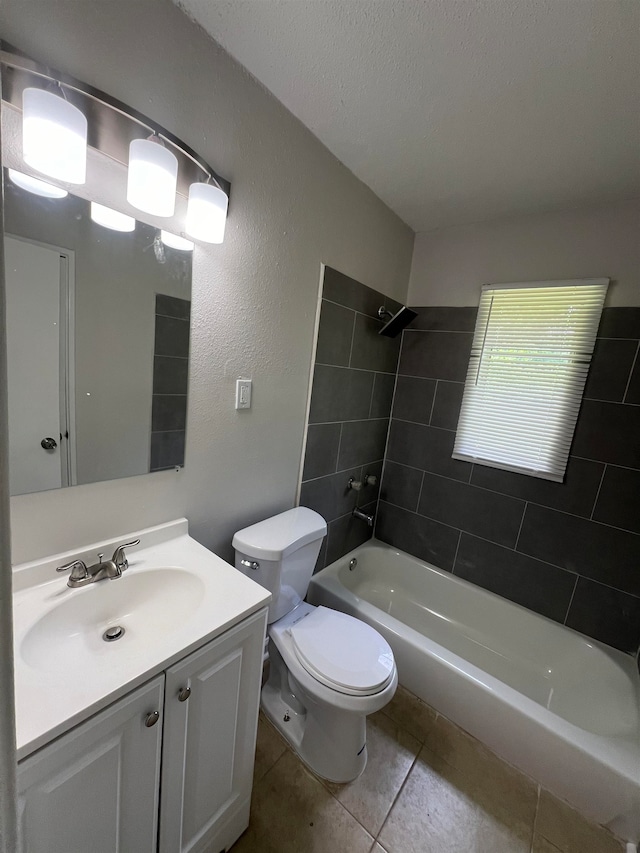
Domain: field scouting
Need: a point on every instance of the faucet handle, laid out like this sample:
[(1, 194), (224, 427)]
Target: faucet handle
[(119, 557), (78, 569)]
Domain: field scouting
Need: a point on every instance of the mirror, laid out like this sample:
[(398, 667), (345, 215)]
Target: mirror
[(98, 345)]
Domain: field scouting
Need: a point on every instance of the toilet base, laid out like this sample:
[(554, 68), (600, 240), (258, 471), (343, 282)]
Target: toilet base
[(340, 757)]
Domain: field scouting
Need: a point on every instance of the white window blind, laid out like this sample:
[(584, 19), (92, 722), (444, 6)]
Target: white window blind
[(529, 361)]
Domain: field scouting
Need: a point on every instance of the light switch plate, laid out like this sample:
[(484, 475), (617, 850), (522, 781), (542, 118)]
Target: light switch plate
[(243, 393)]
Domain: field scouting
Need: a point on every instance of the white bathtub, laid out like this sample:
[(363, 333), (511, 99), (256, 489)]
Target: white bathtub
[(563, 708)]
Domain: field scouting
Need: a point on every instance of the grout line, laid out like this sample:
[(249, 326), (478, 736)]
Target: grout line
[(535, 820), (441, 331), (455, 556), (433, 401), (524, 512), (600, 462), (421, 423), (373, 393), (400, 789), (431, 378), (357, 369), (338, 453), (348, 421), (573, 592), (353, 335), (595, 502), (419, 493), (357, 311), (342, 471), (635, 361)]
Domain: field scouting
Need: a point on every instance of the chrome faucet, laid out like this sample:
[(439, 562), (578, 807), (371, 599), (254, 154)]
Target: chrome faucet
[(81, 574), (357, 513)]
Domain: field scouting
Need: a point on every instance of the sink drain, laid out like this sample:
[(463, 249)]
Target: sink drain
[(113, 633)]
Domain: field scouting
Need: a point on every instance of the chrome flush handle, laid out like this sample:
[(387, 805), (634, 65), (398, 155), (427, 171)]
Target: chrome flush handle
[(250, 564)]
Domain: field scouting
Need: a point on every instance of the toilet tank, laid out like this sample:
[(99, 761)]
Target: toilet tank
[(285, 548)]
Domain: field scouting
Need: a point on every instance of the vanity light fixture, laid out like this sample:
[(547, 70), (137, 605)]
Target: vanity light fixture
[(206, 212), (176, 242), (152, 177), (36, 186), (110, 218), (54, 136)]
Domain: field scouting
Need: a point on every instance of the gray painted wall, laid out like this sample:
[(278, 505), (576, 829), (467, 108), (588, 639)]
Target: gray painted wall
[(293, 206), (450, 265)]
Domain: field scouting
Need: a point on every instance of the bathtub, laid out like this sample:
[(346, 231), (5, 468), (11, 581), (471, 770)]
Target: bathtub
[(561, 707)]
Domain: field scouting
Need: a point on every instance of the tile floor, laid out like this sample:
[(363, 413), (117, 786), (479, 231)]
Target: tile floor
[(428, 788)]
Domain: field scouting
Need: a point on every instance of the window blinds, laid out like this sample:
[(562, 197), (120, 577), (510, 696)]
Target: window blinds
[(529, 361)]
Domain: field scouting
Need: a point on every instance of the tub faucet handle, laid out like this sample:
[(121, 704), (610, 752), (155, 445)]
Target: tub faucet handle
[(370, 479), (356, 485)]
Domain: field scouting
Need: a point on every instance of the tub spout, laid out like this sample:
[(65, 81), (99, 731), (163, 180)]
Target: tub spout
[(357, 513)]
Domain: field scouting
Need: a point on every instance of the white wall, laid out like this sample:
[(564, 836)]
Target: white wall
[(451, 264), (293, 206)]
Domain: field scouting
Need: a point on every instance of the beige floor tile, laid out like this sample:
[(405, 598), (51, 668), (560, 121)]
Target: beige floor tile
[(292, 812), (391, 752), (411, 714), (441, 809), (541, 845), (569, 831), (269, 747)]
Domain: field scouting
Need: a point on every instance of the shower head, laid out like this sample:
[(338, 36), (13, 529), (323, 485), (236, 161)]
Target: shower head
[(396, 322)]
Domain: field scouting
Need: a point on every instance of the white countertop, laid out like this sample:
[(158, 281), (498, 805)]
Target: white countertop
[(51, 700)]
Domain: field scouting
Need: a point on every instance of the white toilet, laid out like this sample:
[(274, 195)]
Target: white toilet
[(328, 671)]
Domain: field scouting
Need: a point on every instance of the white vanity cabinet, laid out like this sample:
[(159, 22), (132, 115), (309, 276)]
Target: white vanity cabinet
[(96, 789), (210, 722)]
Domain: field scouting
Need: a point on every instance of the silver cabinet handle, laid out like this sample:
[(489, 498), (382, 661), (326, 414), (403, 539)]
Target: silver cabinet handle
[(151, 719), (184, 694), (250, 564)]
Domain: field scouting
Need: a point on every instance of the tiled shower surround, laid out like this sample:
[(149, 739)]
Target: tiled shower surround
[(570, 551), (353, 382)]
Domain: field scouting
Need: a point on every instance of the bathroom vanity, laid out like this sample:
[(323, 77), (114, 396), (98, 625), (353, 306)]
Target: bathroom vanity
[(147, 742)]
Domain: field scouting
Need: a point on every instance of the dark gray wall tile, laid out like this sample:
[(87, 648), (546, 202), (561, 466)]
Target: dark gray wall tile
[(436, 355), (346, 291), (577, 494), (401, 485), (172, 306), (382, 398), (167, 450), (372, 351), (340, 394), (608, 432), (594, 550), (446, 408), (335, 332), (321, 562), (413, 399), (426, 539), (445, 319), (620, 323), (619, 499), (330, 496), (487, 514), (426, 447), (347, 533), (172, 337), (321, 454), (362, 441), (531, 583), (610, 368), (633, 391), (168, 412), (610, 616), (170, 375)]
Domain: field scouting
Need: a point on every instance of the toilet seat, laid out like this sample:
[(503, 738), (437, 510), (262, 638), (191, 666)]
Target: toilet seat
[(342, 652)]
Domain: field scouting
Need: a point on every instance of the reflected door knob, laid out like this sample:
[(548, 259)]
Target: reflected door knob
[(49, 443)]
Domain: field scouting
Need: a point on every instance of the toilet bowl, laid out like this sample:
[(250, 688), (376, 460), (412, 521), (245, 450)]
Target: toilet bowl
[(328, 671)]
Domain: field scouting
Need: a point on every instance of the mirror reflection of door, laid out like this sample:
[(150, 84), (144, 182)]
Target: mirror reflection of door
[(39, 339)]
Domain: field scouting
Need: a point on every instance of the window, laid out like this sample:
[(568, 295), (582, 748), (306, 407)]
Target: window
[(529, 361)]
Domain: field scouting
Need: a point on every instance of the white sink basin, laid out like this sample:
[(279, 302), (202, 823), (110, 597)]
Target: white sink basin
[(152, 603), (174, 597)]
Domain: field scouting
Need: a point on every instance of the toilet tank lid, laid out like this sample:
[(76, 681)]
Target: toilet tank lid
[(274, 538)]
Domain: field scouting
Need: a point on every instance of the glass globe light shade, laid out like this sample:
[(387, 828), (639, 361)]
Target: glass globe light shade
[(206, 213), (152, 177), (54, 136), (33, 185)]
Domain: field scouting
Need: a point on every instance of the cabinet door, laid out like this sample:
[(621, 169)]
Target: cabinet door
[(209, 741), (96, 788)]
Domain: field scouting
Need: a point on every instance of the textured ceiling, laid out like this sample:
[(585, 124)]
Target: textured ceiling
[(455, 111)]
